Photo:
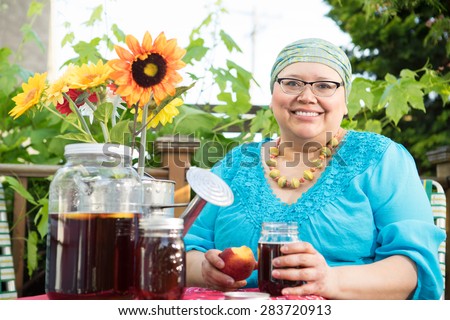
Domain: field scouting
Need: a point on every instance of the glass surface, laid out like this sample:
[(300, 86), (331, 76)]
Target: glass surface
[(273, 236)]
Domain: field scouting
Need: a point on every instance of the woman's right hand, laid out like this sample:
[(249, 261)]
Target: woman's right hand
[(215, 279)]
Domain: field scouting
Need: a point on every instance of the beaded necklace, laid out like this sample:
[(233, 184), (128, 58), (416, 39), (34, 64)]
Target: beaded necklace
[(308, 175)]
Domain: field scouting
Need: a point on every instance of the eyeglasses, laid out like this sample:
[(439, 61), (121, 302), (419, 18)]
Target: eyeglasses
[(319, 88)]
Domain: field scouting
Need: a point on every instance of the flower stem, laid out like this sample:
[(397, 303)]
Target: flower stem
[(229, 124), (102, 124), (64, 119), (79, 115), (142, 145)]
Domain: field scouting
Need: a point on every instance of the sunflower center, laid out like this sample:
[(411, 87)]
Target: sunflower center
[(150, 71), (30, 95)]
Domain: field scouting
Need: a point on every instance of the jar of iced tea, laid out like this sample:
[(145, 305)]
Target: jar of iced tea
[(160, 259), (94, 203), (273, 236)]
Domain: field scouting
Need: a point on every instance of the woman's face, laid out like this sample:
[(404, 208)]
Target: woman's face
[(305, 115)]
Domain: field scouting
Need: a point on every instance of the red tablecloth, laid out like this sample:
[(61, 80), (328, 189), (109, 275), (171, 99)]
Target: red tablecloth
[(195, 293)]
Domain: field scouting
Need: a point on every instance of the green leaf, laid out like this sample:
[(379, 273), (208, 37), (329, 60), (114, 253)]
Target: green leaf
[(104, 112), (32, 249), (229, 42), (30, 35), (243, 75), (195, 51), (221, 77), (373, 126), (406, 73), (360, 94), (179, 91), (88, 50), (396, 104), (121, 132), (390, 78), (41, 219), (19, 188), (224, 97), (194, 120), (68, 38), (81, 137), (95, 16), (415, 99), (35, 8), (260, 121), (118, 33)]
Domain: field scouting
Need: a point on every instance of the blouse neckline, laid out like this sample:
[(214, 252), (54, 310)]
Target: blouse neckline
[(311, 190)]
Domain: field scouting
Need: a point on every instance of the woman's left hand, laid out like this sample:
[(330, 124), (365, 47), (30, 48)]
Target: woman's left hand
[(302, 262)]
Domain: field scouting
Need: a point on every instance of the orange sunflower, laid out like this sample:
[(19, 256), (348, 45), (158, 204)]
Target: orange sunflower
[(149, 70)]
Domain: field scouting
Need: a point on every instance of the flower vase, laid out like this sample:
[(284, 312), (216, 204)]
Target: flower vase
[(95, 200)]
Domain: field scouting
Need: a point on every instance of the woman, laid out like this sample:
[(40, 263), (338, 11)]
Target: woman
[(364, 220)]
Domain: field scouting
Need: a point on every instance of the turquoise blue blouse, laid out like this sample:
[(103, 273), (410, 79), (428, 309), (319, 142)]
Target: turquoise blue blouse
[(367, 205)]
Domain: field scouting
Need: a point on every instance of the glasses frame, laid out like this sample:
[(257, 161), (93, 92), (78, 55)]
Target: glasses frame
[(338, 84)]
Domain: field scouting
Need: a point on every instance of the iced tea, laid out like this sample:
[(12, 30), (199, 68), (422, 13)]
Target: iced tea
[(161, 268), (266, 283), (91, 256)]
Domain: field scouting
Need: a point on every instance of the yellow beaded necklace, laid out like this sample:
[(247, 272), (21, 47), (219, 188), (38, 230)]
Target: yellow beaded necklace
[(308, 175)]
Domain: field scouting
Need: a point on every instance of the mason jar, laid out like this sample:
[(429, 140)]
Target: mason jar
[(94, 203), (273, 236), (160, 259)]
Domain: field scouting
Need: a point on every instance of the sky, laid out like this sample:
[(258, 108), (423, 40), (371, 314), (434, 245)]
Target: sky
[(261, 28)]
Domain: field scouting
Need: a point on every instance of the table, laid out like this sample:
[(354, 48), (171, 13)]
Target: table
[(197, 293)]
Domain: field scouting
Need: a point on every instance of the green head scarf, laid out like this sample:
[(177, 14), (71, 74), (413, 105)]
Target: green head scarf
[(314, 50)]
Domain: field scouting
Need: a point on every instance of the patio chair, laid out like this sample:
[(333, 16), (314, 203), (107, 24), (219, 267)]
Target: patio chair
[(7, 277), (438, 201)]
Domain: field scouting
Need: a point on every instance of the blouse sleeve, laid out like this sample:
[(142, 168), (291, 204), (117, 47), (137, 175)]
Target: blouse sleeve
[(403, 216)]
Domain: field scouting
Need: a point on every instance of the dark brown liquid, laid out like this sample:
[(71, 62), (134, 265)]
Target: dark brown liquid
[(266, 283), (161, 272), (91, 256)]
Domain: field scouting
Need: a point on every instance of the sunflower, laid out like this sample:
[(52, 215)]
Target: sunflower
[(89, 75), (149, 70), (31, 95), (57, 88), (164, 116)]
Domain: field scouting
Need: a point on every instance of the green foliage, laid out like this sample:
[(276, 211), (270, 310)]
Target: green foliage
[(231, 104), (402, 54)]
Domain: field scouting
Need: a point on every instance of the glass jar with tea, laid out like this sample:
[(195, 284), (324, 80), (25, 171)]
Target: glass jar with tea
[(160, 259), (273, 236), (94, 203)]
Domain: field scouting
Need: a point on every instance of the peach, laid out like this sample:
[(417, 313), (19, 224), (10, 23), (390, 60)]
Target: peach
[(239, 262)]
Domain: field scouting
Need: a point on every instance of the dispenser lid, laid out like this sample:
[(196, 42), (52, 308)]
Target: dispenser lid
[(108, 149), (209, 186)]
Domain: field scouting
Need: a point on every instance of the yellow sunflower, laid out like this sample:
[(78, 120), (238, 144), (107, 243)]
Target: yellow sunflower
[(148, 70), (164, 116), (89, 75), (31, 95), (57, 88)]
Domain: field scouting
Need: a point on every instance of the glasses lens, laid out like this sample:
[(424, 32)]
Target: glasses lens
[(290, 86), (324, 88)]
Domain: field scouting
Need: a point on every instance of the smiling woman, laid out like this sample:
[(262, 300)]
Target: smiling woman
[(363, 234)]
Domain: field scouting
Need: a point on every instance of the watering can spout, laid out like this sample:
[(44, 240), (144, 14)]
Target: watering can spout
[(209, 188)]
